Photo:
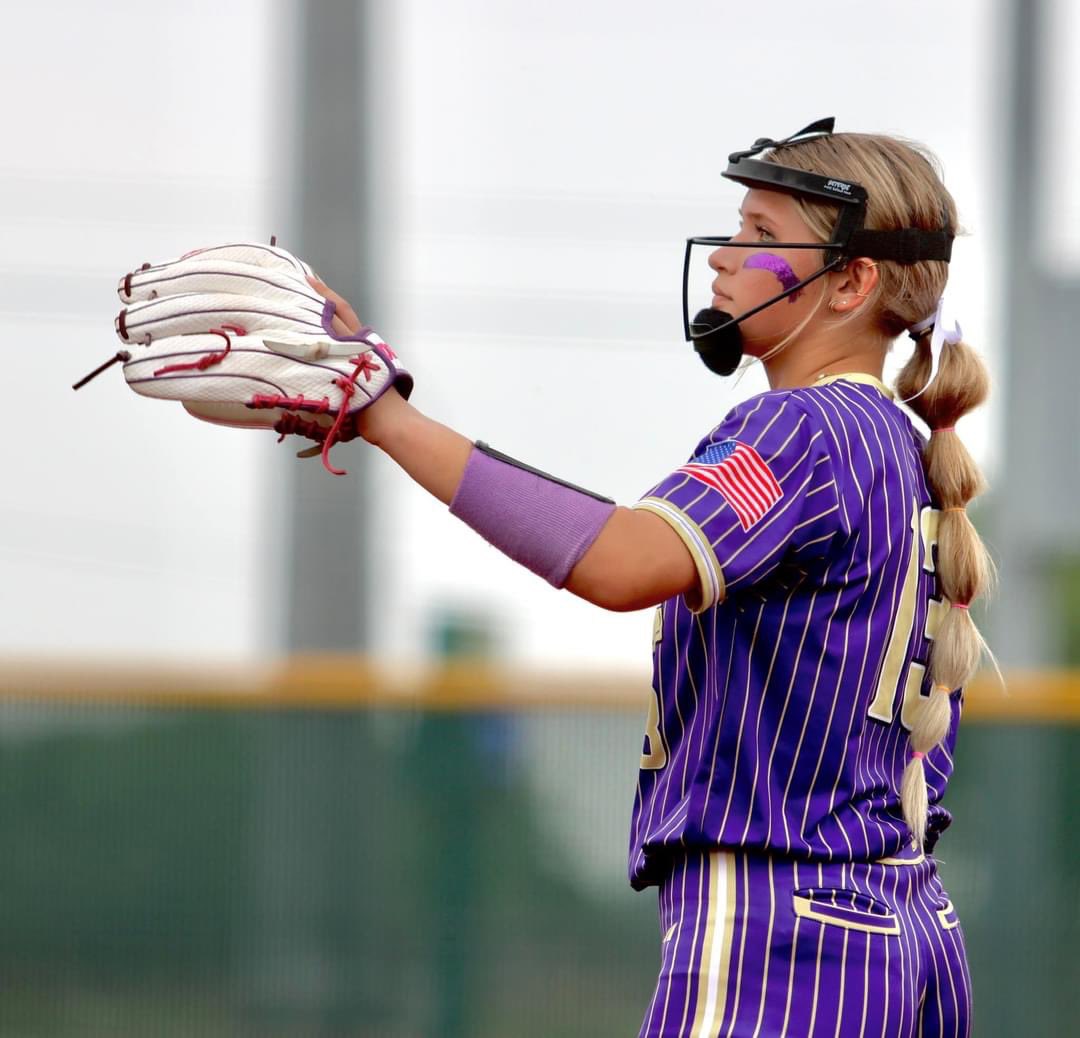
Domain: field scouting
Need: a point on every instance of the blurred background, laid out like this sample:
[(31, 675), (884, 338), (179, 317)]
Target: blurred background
[(283, 754)]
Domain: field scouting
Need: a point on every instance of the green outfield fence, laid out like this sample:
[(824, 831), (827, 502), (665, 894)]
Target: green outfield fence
[(324, 847)]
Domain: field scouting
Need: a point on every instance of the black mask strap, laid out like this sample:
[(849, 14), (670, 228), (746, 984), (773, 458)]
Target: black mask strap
[(906, 245)]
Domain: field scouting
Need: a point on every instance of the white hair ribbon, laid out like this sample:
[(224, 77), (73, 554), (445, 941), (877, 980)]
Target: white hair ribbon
[(940, 336)]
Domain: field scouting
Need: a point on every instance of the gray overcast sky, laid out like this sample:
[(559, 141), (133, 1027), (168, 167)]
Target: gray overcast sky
[(542, 166)]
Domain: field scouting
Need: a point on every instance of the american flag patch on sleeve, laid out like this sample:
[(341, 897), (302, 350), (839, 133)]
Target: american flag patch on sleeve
[(738, 472)]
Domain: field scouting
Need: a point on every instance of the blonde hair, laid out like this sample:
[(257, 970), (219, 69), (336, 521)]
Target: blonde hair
[(905, 190)]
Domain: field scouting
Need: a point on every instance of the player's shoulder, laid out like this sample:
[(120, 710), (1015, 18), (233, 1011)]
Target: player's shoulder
[(853, 399), (871, 439), (862, 410), (777, 420)]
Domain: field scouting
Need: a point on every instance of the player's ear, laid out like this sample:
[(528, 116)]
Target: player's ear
[(854, 285)]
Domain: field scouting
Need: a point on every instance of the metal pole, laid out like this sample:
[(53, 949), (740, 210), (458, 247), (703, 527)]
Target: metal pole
[(1036, 516), (328, 535), (313, 895)]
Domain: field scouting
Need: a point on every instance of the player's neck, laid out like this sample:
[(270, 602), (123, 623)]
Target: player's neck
[(805, 362)]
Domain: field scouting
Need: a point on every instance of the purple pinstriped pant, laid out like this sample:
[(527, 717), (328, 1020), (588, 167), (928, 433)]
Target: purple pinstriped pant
[(766, 947)]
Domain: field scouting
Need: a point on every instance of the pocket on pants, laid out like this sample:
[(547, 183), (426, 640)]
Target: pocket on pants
[(947, 916), (847, 909)]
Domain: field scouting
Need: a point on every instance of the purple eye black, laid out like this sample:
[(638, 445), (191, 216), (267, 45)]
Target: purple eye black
[(776, 266)]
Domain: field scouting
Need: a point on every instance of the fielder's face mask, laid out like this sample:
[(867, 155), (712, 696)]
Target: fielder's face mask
[(715, 334)]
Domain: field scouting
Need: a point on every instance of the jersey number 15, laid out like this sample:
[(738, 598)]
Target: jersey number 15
[(924, 525)]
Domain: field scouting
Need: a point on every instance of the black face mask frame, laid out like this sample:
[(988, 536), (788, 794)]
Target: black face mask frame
[(714, 333)]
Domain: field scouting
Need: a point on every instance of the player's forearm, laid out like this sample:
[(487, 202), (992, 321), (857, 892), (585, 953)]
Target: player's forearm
[(431, 453), (618, 559)]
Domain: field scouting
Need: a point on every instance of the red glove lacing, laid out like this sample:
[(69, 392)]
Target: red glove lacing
[(211, 358), (339, 431)]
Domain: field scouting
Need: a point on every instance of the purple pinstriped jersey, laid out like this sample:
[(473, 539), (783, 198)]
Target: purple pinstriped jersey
[(784, 690)]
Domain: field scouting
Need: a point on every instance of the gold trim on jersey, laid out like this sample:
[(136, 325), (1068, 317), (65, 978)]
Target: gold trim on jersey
[(710, 576), (862, 377), (844, 916)]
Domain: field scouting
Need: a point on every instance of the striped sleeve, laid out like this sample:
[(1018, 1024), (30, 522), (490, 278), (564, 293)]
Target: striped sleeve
[(760, 489)]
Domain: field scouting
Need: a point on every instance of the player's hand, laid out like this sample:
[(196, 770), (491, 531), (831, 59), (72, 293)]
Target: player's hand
[(247, 335), (386, 409), (345, 321)]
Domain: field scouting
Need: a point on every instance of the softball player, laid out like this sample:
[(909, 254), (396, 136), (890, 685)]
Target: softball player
[(812, 565)]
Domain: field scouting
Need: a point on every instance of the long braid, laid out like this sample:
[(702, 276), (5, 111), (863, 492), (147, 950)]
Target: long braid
[(964, 567), (905, 188)]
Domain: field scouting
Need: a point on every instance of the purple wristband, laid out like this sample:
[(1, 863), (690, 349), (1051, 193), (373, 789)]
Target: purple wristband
[(544, 524)]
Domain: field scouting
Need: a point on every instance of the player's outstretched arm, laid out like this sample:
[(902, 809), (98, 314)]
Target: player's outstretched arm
[(635, 561)]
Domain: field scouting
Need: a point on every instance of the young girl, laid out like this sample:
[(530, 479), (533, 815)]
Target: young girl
[(812, 565)]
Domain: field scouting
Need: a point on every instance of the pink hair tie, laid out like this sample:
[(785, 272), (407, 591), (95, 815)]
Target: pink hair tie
[(959, 605), (917, 754), (943, 428)]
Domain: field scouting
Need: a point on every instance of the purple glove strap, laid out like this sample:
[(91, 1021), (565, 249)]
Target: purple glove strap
[(543, 525)]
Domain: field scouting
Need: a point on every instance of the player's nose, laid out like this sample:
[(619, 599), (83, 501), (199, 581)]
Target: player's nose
[(721, 260)]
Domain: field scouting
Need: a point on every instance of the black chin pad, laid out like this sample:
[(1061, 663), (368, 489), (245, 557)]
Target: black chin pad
[(717, 340)]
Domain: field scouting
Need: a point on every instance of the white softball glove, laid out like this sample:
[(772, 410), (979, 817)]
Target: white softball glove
[(239, 336)]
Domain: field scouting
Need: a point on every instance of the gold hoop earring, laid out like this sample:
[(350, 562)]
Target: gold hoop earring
[(863, 295), (835, 307)]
